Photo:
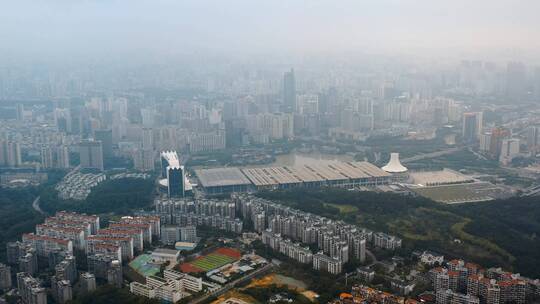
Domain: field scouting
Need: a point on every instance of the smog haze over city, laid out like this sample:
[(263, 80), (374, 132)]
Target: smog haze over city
[(136, 29), (270, 151)]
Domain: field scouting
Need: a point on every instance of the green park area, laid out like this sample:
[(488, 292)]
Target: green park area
[(495, 233), (119, 196)]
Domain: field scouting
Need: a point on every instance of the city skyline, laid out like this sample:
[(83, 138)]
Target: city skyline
[(244, 152)]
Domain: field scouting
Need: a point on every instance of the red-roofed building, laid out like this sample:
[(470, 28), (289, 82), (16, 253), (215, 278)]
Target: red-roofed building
[(145, 227), (473, 284), (454, 265), (93, 220), (453, 280), (512, 291), (76, 235), (46, 244), (125, 243), (135, 234)]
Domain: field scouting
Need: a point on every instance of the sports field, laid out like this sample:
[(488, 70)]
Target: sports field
[(142, 264), (211, 261)]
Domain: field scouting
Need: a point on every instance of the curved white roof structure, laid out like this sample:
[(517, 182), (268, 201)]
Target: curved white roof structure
[(172, 158), (394, 166)]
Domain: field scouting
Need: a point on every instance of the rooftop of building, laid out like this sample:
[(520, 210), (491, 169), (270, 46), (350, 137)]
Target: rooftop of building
[(320, 172), (445, 176), (172, 158), (165, 251), (221, 177)]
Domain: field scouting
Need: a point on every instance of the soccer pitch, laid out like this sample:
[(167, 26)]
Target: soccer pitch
[(212, 261), (216, 259)]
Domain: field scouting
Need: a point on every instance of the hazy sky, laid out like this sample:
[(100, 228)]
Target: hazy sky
[(124, 27)]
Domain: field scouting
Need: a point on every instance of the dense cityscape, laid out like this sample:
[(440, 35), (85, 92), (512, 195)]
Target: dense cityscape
[(297, 152)]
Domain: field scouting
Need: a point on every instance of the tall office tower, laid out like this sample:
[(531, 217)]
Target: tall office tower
[(105, 136), (516, 82), (174, 173), (5, 277), (289, 91), (533, 139), (495, 143), (472, 126), (91, 154), (509, 150)]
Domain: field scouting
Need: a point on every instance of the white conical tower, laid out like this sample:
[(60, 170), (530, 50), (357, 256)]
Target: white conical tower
[(394, 166)]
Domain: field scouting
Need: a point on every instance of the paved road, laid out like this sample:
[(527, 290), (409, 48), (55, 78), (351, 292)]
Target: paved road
[(430, 155), (533, 192), (232, 284), (35, 205), (373, 258), (480, 156)]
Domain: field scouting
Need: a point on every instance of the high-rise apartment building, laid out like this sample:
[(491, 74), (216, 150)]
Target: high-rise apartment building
[(5, 277), (20, 111), (147, 138), (472, 126), (143, 159), (533, 139), (106, 139), (495, 143), (516, 81), (30, 289), (509, 150), (10, 153), (536, 84), (91, 154), (88, 282), (55, 157)]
